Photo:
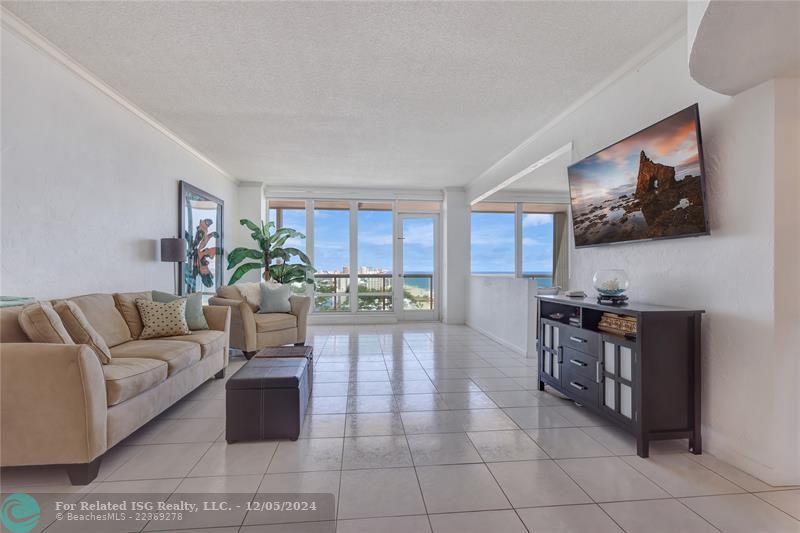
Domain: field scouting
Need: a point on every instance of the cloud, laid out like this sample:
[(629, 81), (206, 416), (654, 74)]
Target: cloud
[(536, 219)]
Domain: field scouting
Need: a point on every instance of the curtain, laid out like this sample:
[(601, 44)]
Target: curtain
[(560, 250)]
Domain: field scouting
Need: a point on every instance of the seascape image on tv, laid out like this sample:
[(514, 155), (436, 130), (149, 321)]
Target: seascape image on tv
[(647, 186)]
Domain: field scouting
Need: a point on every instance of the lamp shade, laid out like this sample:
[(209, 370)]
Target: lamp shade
[(173, 250)]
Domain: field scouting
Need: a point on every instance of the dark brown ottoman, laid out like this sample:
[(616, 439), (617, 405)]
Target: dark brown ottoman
[(267, 399), (292, 351)]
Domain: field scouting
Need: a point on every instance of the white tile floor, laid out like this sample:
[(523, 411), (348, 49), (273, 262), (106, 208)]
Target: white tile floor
[(433, 428)]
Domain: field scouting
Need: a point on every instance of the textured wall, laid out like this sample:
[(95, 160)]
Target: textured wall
[(87, 187)]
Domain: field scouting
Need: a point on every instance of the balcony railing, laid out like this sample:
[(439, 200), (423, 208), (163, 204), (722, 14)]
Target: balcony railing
[(375, 292)]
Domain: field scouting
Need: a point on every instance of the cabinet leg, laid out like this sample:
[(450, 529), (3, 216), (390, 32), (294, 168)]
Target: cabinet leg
[(696, 443), (643, 446), (84, 473), (541, 385)]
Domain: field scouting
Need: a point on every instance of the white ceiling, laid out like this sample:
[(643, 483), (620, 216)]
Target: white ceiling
[(401, 95)]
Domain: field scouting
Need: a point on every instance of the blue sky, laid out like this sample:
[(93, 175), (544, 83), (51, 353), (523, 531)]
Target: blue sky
[(492, 241)]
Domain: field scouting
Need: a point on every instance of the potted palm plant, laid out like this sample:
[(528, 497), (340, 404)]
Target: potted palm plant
[(271, 255)]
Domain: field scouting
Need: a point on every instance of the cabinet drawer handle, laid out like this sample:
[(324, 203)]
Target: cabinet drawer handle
[(577, 339), (577, 385), (598, 371), (577, 363), (560, 354)]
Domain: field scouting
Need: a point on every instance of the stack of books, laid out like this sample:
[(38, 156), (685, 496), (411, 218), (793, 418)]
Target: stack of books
[(575, 321), (617, 324)]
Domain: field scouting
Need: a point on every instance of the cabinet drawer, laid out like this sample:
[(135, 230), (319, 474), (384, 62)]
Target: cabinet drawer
[(581, 363), (580, 387), (580, 339)]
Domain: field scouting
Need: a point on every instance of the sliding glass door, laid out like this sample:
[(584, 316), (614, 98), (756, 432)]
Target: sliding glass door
[(375, 256), (417, 251)]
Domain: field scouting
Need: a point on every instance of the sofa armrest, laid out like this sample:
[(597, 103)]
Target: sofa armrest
[(243, 324), (219, 319), (52, 404), (301, 305)]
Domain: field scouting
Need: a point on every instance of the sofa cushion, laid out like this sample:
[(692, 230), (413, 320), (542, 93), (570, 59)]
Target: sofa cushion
[(251, 292), (274, 322), (210, 341), (41, 323), (81, 330), (101, 312), (229, 292), (126, 305), (163, 319), (127, 377), (177, 354), (10, 330)]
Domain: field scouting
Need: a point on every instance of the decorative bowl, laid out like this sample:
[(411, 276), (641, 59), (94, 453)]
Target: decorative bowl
[(612, 282)]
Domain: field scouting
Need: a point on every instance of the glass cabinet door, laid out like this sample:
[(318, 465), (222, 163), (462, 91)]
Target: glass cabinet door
[(550, 353), (617, 378)]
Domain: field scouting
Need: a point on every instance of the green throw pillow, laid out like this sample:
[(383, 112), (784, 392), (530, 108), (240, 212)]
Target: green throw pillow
[(275, 299), (194, 308)]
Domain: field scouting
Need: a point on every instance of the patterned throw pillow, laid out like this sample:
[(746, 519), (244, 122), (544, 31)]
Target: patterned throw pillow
[(81, 330), (194, 308), (162, 319)]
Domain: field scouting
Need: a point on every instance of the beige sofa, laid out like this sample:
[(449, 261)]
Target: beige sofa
[(251, 331), (60, 405)]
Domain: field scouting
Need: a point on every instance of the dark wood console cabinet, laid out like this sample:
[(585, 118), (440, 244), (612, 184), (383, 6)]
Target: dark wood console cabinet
[(649, 385)]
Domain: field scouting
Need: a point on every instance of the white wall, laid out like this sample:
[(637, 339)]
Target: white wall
[(750, 406), (252, 205), (499, 308), (455, 256), (88, 188)]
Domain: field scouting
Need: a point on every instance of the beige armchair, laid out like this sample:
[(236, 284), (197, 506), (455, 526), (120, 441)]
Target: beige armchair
[(251, 331)]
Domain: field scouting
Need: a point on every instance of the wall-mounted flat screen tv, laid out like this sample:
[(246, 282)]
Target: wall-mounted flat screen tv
[(647, 186)]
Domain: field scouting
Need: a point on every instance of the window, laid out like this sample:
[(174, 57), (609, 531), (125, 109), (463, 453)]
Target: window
[(352, 245), (500, 231), (375, 256), (290, 214), (537, 245), (332, 255), (492, 238)]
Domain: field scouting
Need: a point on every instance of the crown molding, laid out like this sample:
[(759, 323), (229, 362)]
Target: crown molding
[(352, 193), (20, 28)]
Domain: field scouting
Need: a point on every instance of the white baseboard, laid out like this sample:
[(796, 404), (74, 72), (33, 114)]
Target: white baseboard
[(720, 447), (510, 346)]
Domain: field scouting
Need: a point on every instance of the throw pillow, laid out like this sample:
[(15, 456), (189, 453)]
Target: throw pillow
[(275, 299), (81, 331), (163, 319), (41, 323), (126, 305), (195, 318), (251, 292)]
